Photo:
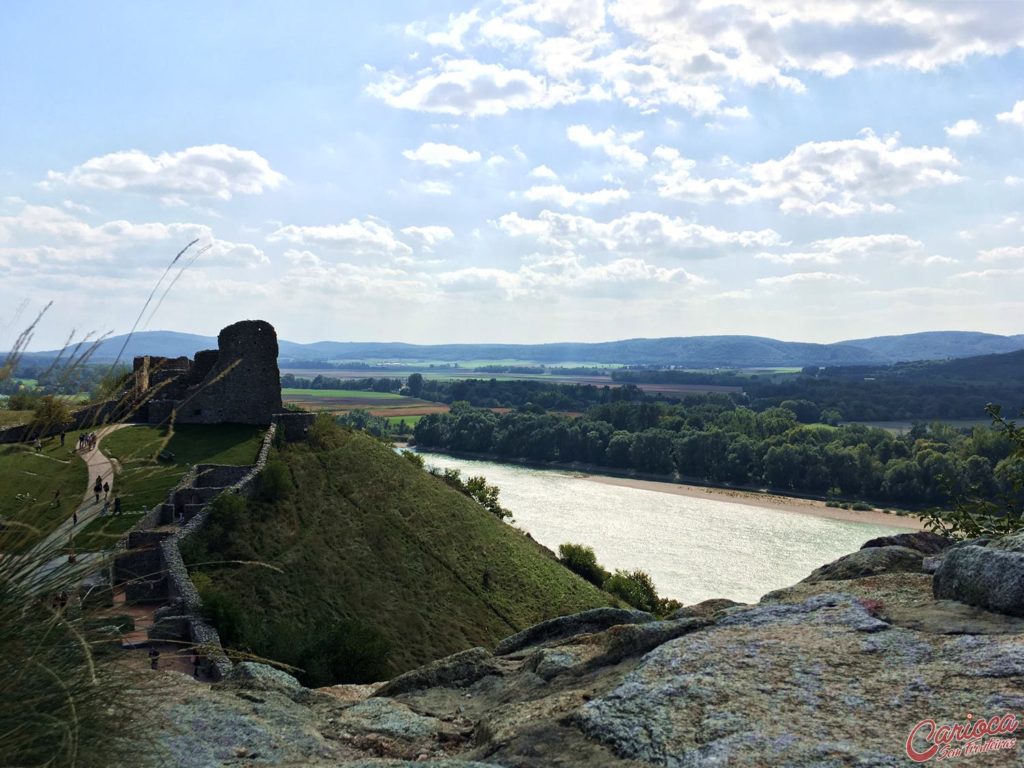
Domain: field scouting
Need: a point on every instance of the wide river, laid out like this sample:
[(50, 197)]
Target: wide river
[(693, 548)]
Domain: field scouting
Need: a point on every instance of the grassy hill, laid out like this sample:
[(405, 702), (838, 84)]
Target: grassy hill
[(364, 536)]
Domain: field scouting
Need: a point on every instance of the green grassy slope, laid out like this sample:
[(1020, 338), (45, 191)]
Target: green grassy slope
[(143, 482), (365, 535), (27, 482)]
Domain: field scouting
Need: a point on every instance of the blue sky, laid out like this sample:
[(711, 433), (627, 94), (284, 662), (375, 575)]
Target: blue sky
[(515, 171)]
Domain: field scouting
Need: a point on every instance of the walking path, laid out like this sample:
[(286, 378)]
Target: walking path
[(89, 509)]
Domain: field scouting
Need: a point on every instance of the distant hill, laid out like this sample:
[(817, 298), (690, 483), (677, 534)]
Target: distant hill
[(688, 351), (937, 345), (366, 536)]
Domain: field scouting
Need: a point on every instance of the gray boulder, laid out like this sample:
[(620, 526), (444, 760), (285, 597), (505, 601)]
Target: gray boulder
[(870, 562), (587, 622), (990, 577)]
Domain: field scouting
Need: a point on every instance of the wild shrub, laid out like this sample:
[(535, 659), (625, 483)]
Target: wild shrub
[(275, 481), (345, 652), (324, 434), (227, 614), (582, 561), (635, 587), (60, 705)]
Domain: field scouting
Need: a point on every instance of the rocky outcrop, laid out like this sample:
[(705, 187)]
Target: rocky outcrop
[(870, 562), (988, 574), (830, 672)]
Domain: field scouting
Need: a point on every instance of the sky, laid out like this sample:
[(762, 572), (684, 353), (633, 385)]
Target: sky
[(513, 171)]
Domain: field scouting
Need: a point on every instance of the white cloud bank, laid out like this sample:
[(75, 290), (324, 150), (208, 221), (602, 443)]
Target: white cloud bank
[(216, 170)]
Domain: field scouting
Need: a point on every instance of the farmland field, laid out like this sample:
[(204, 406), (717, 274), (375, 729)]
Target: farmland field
[(449, 374), (385, 404)]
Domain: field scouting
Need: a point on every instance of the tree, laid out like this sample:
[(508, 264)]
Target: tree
[(415, 384), (51, 413)]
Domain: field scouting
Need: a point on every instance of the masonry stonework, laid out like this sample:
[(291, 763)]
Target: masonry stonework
[(239, 382)]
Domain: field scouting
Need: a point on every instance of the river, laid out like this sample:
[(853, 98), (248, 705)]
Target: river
[(693, 548)]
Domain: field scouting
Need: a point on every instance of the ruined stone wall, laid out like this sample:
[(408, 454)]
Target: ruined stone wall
[(243, 386)]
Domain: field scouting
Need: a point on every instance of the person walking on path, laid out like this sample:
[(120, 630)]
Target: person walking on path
[(106, 508), (74, 518), (106, 490), (98, 488), (117, 505), (154, 658)]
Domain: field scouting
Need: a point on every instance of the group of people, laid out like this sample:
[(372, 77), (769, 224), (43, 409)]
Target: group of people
[(102, 487), (86, 442)]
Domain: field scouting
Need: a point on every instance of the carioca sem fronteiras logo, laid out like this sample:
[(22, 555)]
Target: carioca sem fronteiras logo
[(974, 736)]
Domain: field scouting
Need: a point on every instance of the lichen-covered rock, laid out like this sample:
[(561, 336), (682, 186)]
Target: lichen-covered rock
[(704, 608), (594, 620), (459, 669), (925, 542), (795, 685), (990, 577), (870, 562)]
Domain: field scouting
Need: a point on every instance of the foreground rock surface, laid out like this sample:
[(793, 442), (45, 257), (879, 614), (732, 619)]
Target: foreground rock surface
[(833, 671)]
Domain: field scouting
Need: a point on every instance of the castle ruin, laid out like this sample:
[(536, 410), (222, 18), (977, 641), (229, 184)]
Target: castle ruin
[(238, 383)]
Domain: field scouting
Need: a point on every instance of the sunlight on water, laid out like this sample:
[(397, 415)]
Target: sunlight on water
[(693, 548)]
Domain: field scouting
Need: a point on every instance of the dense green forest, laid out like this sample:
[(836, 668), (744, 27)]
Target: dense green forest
[(710, 438), (926, 390)]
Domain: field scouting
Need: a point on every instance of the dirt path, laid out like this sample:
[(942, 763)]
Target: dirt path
[(88, 510)]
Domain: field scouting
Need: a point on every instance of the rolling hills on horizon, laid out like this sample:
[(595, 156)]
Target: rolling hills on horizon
[(724, 351)]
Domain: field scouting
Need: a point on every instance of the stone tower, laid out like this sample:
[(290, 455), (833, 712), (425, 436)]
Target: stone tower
[(239, 382)]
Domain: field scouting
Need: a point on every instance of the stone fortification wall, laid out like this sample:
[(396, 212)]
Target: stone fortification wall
[(243, 386), (154, 569), (238, 383), (94, 416)]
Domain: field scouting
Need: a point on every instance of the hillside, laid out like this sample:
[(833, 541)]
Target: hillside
[(368, 537), (690, 352)]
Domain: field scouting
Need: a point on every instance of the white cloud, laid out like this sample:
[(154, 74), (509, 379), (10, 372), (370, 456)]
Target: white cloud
[(459, 24), (543, 172), (224, 253), (990, 274), (660, 53), (354, 237), (559, 195), (799, 278), (1015, 115), (829, 178), (559, 279), (963, 128), (49, 237), (637, 232), (1013, 181), (891, 247), (441, 155), (615, 145), (429, 235), (439, 188), (472, 88), (217, 171), (1005, 253)]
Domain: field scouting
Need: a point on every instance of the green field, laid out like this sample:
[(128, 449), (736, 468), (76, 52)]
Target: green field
[(27, 482), (353, 393), (410, 420), (143, 481), (899, 427)]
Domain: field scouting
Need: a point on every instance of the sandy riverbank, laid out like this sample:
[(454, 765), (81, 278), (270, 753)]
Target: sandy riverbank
[(765, 500)]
